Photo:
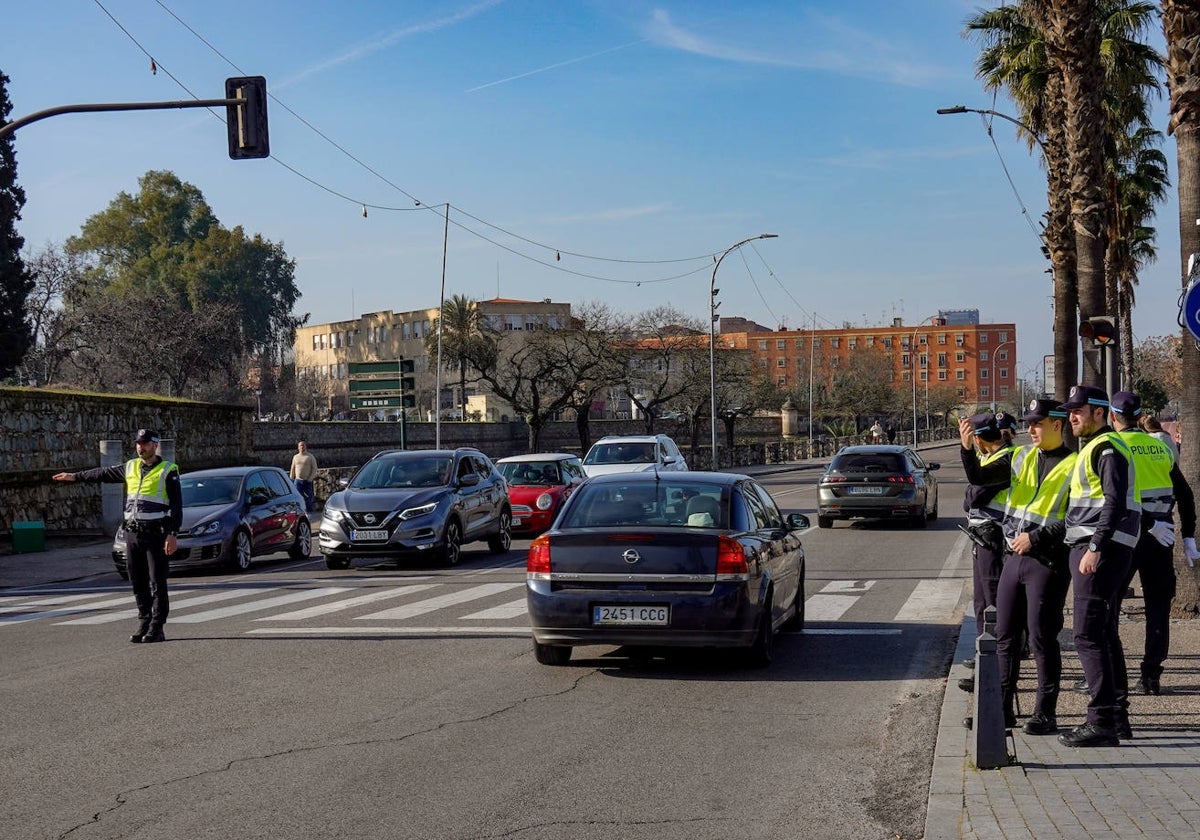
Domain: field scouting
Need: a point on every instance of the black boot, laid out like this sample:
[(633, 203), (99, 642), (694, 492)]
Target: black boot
[(1089, 735), (154, 634), (143, 628), (1041, 724)]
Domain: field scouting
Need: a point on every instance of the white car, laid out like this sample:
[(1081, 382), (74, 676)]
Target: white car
[(633, 453)]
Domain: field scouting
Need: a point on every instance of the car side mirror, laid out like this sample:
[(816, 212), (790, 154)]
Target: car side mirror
[(798, 522), (933, 465), (258, 497), (469, 480)]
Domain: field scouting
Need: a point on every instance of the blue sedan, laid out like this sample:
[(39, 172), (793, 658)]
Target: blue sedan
[(688, 559)]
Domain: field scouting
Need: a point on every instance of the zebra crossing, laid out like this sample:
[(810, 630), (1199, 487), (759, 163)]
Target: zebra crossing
[(417, 605)]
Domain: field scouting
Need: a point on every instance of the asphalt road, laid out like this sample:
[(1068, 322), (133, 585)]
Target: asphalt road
[(294, 702)]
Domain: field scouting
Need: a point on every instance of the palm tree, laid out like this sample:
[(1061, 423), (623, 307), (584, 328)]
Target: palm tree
[(460, 326), (1181, 26)]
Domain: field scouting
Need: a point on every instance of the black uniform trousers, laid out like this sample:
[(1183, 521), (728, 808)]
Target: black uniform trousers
[(987, 566), (1031, 597), (1155, 566), (147, 564), (1097, 609)]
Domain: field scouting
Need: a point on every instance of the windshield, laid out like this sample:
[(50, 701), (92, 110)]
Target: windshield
[(531, 472), (664, 502), (433, 471), (884, 462), (210, 490), (621, 453)]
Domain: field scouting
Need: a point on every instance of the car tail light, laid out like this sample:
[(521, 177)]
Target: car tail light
[(834, 479), (901, 479), (731, 558), (539, 556)]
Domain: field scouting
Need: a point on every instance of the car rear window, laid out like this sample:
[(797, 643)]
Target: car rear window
[(621, 453), (379, 473), (866, 462), (660, 503), (210, 490)]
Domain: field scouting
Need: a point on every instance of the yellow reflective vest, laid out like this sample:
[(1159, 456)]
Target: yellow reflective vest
[(146, 490), (1085, 505)]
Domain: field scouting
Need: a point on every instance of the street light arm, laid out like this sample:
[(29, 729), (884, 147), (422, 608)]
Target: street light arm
[(963, 109)]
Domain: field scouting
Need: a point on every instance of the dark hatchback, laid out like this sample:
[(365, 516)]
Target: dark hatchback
[(687, 559), (407, 503), (233, 514), (878, 482)]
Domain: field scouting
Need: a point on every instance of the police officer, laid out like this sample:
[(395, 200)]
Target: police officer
[(1034, 581), (1103, 520), (986, 459), (153, 514), (1160, 485)]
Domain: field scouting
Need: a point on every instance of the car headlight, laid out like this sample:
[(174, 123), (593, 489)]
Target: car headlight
[(334, 514), (413, 513), (544, 501), (205, 529)]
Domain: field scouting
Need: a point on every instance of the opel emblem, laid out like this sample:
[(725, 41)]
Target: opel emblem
[(369, 518), (631, 556)]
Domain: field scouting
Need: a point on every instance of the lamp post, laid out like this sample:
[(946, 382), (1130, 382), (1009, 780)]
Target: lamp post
[(712, 337), (314, 398), (993, 374), (912, 364), (963, 109), (258, 397)]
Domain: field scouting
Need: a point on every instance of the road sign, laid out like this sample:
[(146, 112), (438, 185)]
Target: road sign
[(1189, 311), (396, 401)]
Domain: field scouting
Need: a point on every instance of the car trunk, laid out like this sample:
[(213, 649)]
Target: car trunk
[(651, 559)]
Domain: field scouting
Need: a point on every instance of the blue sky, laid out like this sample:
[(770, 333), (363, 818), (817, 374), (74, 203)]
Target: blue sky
[(645, 134)]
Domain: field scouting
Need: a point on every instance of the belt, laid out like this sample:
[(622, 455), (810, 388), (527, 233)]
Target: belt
[(135, 526)]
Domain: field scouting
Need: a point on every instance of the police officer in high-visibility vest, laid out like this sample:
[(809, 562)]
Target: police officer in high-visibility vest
[(1103, 521), (153, 514), (1035, 578), (985, 458), (1161, 485)]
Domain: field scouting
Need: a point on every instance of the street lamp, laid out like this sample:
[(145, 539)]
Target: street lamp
[(314, 398), (912, 364), (712, 337), (258, 396), (993, 383), (963, 109)]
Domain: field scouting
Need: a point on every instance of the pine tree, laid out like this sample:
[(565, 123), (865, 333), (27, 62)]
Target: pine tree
[(15, 280)]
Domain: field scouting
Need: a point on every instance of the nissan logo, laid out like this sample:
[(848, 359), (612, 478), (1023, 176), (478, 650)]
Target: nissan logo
[(369, 518), (631, 556)]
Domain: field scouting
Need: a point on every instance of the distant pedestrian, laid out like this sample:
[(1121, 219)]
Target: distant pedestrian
[(876, 432), (890, 429), (1103, 525), (304, 473), (152, 518), (1161, 486), (1150, 425)]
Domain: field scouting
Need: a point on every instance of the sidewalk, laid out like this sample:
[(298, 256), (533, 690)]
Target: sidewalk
[(58, 563), (1147, 787)]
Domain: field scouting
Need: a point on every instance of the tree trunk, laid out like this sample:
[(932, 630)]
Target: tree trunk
[(1074, 40), (1181, 25), (583, 427)]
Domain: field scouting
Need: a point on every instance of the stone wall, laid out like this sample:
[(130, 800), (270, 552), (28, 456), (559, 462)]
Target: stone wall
[(44, 432)]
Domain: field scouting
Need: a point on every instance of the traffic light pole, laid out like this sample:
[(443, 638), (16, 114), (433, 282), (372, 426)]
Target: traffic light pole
[(113, 106)]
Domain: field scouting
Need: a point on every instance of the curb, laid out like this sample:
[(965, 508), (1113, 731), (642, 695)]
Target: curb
[(947, 782)]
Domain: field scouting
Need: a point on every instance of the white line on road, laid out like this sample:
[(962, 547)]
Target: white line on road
[(255, 606), (847, 587), (513, 609), (370, 598), (827, 607), (176, 604), (932, 601), (431, 604), (390, 631)]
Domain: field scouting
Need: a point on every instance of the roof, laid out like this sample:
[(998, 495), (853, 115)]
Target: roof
[(719, 479), (238, 471), (875, 447), (631, 438), (537, 456)]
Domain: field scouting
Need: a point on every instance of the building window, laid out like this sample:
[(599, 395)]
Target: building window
[(1004, 373), (924, 360), (923, 340), (1003, 337), (835, 361), (762, 344), (835, 342), (1002, 355), (904, 357), (960, 392), (781, 362), (905, 376), (983, 373), (924, 376), (960, 374), (781, 379), (941, 376), (1004, 390), (983, 355), (852, 343), (887, 344), (941, 359), (316, 342), (960, 356), (960, 339), (983, 338), (780, 343), (941, 338), (351, 338), (870, 341), (984, 391)]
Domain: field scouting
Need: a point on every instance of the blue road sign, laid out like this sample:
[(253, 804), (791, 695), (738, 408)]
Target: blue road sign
[(1189, 313)]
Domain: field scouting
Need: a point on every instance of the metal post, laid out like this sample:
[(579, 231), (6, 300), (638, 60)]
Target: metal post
[(111, 495), (987, 743)]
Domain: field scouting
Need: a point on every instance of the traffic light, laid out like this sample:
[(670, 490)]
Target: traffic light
[(407, 381), (246, 123), (1102, 331)]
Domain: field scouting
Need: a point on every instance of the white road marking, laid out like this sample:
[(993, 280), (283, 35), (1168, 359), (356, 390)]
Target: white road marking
[(255, 606), (827, 607), (176, 604), (98, 605), (21, 604), (932, 601), (514, 609), (336, 606), (430, 604), (847, 587)]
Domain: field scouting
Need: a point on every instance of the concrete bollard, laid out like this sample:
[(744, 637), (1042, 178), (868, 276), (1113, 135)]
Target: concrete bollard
[(988, 734), (112, 496)]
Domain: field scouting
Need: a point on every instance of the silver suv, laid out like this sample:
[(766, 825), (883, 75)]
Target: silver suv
[(633, 453)]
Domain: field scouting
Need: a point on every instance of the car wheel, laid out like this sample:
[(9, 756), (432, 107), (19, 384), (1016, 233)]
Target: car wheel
[(500, 543), (824, 521), (918, 520), (552, 654), (239, 560), (302, 548), (337, 562), (796, 622), (451, 549), (763, 649), (933, 512)]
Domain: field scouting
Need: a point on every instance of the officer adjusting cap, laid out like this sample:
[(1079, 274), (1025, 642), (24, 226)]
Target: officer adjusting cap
[(1127, 403), (985, 427), (1086, 395), (1042, 408), (146, 436), (1006, 421)]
